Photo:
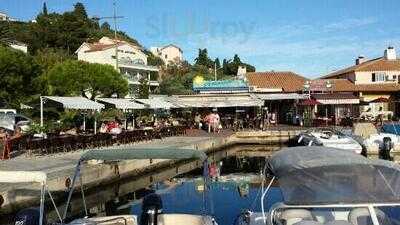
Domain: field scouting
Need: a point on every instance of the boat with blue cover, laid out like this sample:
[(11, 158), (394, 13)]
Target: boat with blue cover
[(330, 187)]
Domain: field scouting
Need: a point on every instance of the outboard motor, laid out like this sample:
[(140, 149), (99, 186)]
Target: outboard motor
[(386, 147), (29, 216), (151, 208), (243, 218)]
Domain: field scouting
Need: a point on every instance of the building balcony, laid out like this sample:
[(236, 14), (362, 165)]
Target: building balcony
[(135, 80), (124, 63)]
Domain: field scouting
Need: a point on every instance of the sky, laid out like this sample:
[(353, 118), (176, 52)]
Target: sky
[(309, 37)]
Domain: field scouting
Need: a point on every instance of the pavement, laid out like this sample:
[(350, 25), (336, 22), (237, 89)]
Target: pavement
[(61, 161), (51, 164)]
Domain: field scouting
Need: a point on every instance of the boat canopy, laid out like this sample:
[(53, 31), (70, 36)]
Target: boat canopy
[(320, 175), (133, 153), (22, 177)]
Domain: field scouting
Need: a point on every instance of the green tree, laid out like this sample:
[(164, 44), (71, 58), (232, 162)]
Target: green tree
[(47, 58), (44, 11), (173, 85), (80, 11), (72, 78), (143, 88), (153, 60), (105, 26), (18, 73), (225, 69), (217, 63), (203, 59), (66, 31)]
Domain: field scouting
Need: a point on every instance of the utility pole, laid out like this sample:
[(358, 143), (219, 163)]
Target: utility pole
[(114, 17), (115, 35), (215, 71)]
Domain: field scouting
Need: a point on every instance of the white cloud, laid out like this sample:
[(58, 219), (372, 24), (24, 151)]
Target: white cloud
[(350, 24), (307, 49)]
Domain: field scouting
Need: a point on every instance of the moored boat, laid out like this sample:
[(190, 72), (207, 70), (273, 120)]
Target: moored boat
[(329, 138), (152, 213), (329, 186)]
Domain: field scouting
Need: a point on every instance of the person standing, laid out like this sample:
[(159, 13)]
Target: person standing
[(218, 122), (197, 120)]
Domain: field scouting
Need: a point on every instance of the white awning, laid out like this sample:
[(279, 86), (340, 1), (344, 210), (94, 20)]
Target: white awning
[(337, 98), (282, 96), (218, 101), (76, 102), (156, 103), (122, 103), (339, 101), (22, 177)]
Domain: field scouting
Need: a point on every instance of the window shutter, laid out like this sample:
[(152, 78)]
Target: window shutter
[(373, 77)]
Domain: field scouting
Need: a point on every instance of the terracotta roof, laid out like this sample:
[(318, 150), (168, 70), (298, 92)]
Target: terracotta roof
[(97, 46), (378, 64), (287, 81), (93, 47), (344, 85), (334, 96)]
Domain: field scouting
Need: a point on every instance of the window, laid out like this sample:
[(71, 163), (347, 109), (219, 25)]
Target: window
[(378, 77), (166, 56)]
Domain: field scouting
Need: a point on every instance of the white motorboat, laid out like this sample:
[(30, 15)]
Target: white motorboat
[(31, 215), (329, 138), (377, 141), (152, 213), (331, 187)]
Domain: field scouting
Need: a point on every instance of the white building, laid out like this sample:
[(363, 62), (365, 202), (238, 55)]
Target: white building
[(18, 46), (132, 61), (5, 17), (169, 53)]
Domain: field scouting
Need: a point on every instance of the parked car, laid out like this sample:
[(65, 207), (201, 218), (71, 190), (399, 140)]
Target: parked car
[(10, 119)]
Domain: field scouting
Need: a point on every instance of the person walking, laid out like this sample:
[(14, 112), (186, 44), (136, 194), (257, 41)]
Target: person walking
[(197, 121)]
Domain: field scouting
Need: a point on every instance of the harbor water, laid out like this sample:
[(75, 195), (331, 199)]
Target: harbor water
[(237, 189)]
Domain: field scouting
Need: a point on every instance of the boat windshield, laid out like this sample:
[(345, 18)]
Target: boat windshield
[(315, 215)]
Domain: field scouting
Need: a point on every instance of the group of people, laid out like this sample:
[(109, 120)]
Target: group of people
[(112, 127), (165, 122), (211, 122)]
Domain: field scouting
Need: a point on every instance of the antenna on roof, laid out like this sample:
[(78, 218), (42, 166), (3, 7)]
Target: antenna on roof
[(114, 17)]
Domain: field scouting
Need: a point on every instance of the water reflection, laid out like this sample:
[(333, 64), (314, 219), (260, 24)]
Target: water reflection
[(226, 203), (180, 194)]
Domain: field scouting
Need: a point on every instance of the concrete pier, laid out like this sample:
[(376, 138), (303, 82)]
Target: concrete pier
[(60, 167)]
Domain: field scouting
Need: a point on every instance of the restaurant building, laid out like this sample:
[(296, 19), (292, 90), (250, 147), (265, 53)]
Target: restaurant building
[(376, 82), (281, 92), (334, 102)]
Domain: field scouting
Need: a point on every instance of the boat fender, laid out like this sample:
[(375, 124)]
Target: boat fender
[(28, 216), (151, 207), (386, 147)]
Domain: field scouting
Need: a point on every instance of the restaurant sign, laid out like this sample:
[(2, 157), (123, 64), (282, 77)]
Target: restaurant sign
[(318, 85)]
